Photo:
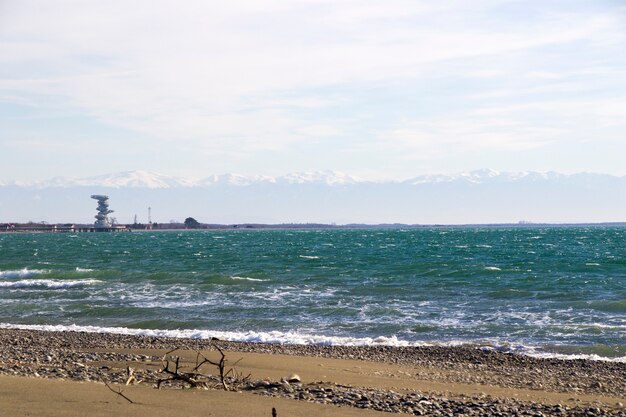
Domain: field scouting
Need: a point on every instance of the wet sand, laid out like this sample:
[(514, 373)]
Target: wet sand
[(50, 373)]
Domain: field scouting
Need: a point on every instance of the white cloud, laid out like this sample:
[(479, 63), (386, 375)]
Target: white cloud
[(442, 138), (246, 76)]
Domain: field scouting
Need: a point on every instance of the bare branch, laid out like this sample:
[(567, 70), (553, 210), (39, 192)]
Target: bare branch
[(194, 378), (119, 392)]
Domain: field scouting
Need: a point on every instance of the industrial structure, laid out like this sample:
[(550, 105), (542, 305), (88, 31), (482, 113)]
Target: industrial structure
[(102, 218), (103, 223)]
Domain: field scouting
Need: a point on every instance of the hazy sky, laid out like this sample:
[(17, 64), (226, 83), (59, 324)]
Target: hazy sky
[(378, 89)]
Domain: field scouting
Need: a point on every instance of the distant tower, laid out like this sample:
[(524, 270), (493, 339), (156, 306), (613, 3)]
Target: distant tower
[(150, 218), (102, 219)]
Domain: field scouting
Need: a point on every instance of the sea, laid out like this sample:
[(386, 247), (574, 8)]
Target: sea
[(538, 291)]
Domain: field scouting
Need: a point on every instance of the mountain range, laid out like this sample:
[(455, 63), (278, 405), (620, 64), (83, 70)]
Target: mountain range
[(481, 196), (146, 179)]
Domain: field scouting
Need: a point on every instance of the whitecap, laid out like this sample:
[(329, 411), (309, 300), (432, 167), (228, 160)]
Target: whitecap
[(79, 269), (22, 273), (309, 257), (249, 279), (492, 268), (54, 284)]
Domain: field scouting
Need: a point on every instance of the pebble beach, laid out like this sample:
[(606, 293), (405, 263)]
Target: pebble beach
[(435, 380)]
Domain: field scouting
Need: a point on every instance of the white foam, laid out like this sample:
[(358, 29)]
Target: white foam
[(48, 283), (591, 357), (22, 273), (309, 257), (249, 279), (492, 268), (535, 352), (305, 339), (79, 269), (250, 336)]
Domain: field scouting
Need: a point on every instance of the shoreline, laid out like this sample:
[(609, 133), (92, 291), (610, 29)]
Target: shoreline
[(536, 352), (163, 227), (383, 377)]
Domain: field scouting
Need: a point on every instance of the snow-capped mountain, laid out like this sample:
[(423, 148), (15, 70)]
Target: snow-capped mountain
[(482, 176), (482, 196), (146, 179), (232, 179), (319, 177), (133, 179)]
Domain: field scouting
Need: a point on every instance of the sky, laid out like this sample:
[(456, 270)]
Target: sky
[(377, 89)]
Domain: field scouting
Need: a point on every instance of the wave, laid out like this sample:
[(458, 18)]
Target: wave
[(277, 337), (309, 257), (538, 352), (22, 273), (54, 284), (296, 338), (249, 279), (492, 268), (79, 269)]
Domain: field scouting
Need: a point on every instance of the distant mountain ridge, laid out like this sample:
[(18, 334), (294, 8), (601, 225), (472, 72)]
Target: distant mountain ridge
[(147, 179), (475, 197)]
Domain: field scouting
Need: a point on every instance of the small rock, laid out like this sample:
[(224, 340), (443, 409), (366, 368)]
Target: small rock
[(294, 378)]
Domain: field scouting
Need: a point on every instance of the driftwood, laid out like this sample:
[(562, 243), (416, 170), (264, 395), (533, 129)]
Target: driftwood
[(190, 378), (131, 375), (195, 378), (118, 392)]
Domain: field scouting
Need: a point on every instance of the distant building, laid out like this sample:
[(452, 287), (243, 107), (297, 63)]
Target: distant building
[(102, 218)]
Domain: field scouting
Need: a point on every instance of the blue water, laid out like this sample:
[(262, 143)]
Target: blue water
[(544, 291)]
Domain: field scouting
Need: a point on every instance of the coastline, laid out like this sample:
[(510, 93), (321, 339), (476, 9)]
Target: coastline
[(422, 380), (165, 227)]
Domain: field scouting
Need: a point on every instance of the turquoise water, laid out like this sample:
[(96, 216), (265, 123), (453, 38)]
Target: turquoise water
[(542, 291)]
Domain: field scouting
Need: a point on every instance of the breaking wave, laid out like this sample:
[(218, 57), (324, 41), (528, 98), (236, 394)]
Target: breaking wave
[(249, 279), (296, 338), (22, 273), (54, 284)]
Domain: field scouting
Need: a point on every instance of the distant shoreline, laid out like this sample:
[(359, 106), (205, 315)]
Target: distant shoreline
[(80, 228)]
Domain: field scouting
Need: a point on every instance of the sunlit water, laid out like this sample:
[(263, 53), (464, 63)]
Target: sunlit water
[(559, 291)]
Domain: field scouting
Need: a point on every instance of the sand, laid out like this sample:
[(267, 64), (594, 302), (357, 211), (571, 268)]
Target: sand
[(63, 374)]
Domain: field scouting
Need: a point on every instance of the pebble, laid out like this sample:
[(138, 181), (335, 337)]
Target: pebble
[(58, 355)]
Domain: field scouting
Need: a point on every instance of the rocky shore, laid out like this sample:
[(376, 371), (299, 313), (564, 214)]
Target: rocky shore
[(105, 357)]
